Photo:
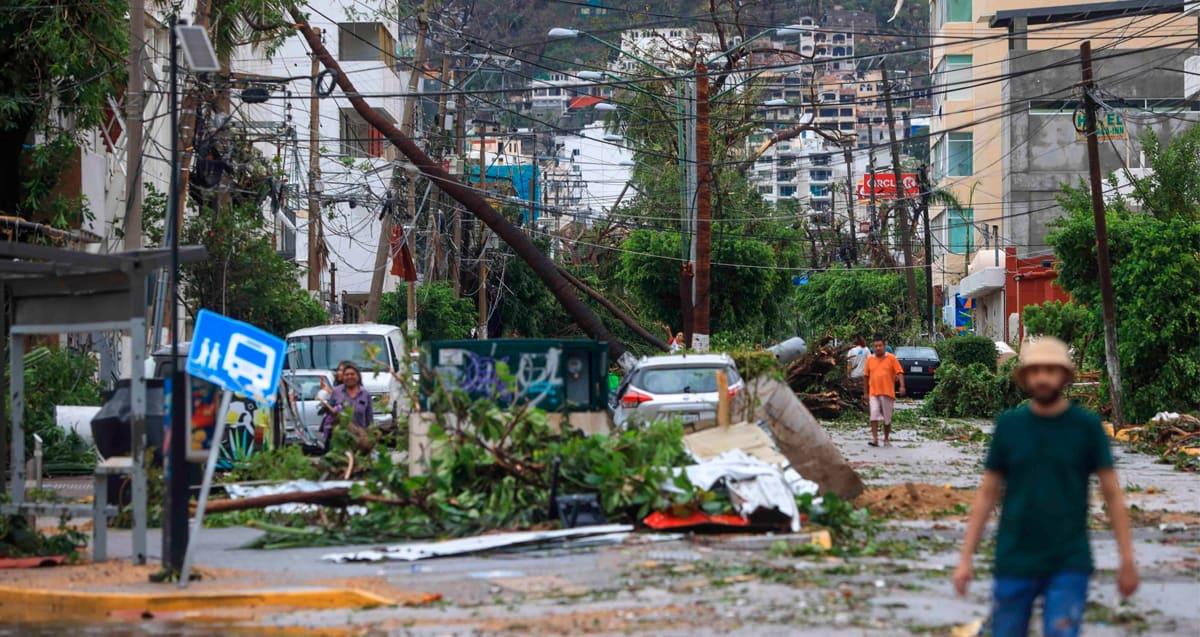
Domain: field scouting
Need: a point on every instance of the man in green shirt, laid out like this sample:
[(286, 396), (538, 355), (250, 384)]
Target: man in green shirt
[(1043, 454)]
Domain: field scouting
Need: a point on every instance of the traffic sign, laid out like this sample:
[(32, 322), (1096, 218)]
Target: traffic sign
[(236, 356)]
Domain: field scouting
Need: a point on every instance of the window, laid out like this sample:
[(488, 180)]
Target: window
[(954, 76), (960, 152), (847, 112), (364, 42), (787, 191), (959, 231), (958, 10), (359, 139)]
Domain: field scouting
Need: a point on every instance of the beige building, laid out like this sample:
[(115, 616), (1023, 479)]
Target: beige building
[(969, 140)]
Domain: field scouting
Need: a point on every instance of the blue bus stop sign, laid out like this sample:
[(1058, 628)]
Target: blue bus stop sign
[(236, 356)]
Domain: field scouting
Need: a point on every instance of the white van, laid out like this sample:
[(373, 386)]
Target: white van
[(378, 350)]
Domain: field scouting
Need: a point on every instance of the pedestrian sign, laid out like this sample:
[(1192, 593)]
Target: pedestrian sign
[(236, 356)]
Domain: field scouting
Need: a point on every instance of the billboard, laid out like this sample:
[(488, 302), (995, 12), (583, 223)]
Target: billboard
[(884, 185)]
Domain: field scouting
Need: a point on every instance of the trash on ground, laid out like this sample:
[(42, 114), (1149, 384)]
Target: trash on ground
[(696, 520), (468, 545), (748, 437), (753, 485), (1172, 436), (335, 490)]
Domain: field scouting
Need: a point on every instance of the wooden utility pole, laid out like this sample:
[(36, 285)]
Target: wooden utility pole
[(700, 312), (875, 225), (133, 126), (456, 220), (335, 309), (472, 201), (482, 295), (925, 196), (314, 178), (382, 253), (1112, 361), (910, 280)]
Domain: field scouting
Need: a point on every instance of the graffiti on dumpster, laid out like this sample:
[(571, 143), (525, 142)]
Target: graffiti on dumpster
[(535, 377)]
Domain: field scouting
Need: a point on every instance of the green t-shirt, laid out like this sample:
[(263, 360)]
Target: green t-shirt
[(1046, 464)]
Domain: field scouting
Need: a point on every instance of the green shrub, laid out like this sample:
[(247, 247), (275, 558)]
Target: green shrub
[(59, 377), (1069, 322), (971, 391), (964, 351), (440, 314), (284, 463)]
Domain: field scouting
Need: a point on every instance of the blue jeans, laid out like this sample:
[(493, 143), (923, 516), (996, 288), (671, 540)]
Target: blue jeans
[(1064, 596)]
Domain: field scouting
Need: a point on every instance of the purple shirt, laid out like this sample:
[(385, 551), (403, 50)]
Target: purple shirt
[(363, 414)]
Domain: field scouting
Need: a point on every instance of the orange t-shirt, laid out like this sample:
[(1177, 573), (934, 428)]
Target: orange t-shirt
[(881, 374)]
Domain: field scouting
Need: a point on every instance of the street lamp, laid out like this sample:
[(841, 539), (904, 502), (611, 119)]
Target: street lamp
[(200, 57), (777, 102), (604, 107)]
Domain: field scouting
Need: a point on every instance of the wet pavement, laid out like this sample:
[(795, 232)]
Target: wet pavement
[(733, 584)]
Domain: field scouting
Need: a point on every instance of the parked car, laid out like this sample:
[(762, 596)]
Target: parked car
[(302, 413), (676, 385), (919, 364), (378, 350)]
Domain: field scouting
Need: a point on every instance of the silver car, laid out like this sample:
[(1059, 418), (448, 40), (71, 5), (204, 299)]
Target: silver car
[(302, 413), (682, 386)]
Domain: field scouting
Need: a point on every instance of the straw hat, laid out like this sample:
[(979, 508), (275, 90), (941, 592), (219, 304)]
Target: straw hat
[(1045, 350)]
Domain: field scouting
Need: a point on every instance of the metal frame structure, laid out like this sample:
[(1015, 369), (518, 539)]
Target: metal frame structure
[(50, 291)]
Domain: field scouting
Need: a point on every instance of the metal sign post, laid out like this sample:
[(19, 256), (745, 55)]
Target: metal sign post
[(237, 357), (209, 469)]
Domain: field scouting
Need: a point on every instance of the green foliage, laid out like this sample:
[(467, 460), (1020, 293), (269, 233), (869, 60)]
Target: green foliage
[(243, 276), (971, 391), (967, 350), (756, 363), (20, 538), (283, 463), (440, 314), (58, 58), (849, 303), (59, 376), (1154, 237), (1070, 322)]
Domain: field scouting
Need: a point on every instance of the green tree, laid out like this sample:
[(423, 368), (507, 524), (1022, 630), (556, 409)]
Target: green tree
[(440, 315), (1070, 322), (1154, 239), (61, 63), (856, 302)]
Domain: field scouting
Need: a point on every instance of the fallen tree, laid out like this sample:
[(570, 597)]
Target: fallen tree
[(819, 379), (471, 200)]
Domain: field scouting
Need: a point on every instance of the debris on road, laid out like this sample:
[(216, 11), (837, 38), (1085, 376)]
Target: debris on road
[(468, 545), (293, 496), (753, 485), (1171, 436), (913, 500)]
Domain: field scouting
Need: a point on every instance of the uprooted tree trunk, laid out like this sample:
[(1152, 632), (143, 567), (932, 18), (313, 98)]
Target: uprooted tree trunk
[(470, 199), (817, 379)]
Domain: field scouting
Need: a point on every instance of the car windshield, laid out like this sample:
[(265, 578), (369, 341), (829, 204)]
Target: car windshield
[(683, 380), (368, 351), (306, 387), (916, 352)]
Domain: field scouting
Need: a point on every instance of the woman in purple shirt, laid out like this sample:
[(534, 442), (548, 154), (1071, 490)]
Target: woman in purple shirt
[(349, 395)]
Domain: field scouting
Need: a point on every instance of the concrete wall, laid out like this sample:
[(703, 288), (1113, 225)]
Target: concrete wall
[(1042, 150)]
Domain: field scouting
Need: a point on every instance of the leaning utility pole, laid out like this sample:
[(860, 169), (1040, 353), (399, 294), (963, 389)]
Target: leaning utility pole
[(1112, 361), (910, 280), (925, 196), (314, 177), (473, 202), (700, 311), (382, 253), (133, 126)]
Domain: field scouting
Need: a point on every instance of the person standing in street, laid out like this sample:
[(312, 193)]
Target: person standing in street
[(882, 372), (349, 396), (856, 363), (1042, 455)]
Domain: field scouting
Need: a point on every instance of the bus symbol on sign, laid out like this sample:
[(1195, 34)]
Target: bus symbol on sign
[(236, 356)]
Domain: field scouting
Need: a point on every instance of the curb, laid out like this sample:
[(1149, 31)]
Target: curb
[(33, 604)]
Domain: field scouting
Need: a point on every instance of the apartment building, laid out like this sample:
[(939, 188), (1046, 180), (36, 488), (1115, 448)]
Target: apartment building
[(1002, 133), (355, 162)]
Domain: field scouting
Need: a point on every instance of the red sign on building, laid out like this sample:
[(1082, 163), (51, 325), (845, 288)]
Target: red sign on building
[(885, 186)]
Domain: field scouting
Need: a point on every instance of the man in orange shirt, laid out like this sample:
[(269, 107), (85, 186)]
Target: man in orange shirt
[(882, 372)]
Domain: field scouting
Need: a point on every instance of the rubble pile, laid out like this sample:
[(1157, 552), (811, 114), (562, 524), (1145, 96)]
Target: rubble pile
[(819, 379)]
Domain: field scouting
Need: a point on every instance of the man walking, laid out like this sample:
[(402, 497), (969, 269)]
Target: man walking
[(1043, 454), (882, 373)]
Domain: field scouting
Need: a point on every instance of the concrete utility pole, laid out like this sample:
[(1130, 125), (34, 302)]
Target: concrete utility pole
[(314, 177), (910, 280), (1111, 360), (456, 220), (474, 202), (704, 178), (335, 309), (848, 153), (384, 250), (133, 126), (871, 168)]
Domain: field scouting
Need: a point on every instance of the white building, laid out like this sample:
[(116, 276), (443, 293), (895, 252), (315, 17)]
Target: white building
[(355, 159), (665, 47), (600, 164)]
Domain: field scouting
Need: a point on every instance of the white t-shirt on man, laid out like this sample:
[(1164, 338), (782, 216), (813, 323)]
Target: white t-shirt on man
[(857, 359)]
